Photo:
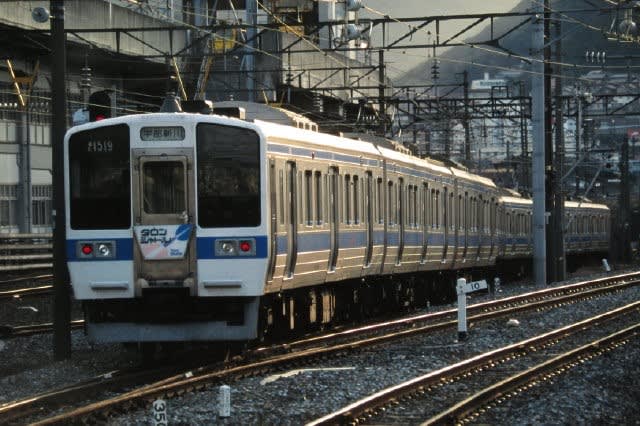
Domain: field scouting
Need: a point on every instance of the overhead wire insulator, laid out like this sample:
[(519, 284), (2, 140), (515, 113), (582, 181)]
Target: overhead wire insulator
[(85, 80), (354, 5)]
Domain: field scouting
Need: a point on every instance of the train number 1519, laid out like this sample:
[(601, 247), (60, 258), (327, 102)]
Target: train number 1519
[(100, 146)]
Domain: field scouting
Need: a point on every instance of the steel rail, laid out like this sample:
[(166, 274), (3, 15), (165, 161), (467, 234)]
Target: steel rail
[(500, 389), (603, 282), (25, 292), (363, 407), (30, 330), (54, 399), (206, 377)]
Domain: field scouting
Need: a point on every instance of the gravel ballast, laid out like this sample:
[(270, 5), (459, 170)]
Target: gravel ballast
[(603, 390)]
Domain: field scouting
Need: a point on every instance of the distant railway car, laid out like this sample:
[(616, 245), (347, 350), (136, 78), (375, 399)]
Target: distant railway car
[(191, 227), (586, 228)]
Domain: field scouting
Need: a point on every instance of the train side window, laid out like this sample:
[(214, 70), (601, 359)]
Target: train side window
[(391, 203), (327, 202), (340, 198), (299, 199), (452, 224), (356, 200), (318, 196), (470, 213), (445, 209), (494, 216), (379, 201), (437, 205), (459, 218), (415, 206), (281, 195), (409, 214), (426, 200), (308, 197), (401, 217), (347, 199), (465, 211)]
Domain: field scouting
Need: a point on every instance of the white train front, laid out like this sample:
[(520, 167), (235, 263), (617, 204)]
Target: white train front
[(157, 262), (186, 227)]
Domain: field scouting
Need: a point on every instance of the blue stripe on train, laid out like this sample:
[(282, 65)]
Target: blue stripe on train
[(124, 249), (205, 247)]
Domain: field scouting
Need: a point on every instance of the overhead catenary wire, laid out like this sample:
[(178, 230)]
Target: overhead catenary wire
[(443, 59)]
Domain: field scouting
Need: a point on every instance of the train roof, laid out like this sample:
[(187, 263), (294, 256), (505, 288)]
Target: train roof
[(516, 200), (585, 205), (473, 177), (316, 138), (416, 161)]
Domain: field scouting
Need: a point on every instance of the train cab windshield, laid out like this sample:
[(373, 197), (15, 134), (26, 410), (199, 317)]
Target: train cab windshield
[(99, 178), (228, 166)]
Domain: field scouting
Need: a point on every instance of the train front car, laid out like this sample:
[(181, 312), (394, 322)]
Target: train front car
[(166, 234)]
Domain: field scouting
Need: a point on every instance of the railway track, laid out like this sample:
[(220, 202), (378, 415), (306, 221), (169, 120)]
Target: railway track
[(451, 392), (263, 360), (25, 252)]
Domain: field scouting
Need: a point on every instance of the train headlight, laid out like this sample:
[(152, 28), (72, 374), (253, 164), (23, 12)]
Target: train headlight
[(235, 247), (228, 248), (104, 249), (96, 249)]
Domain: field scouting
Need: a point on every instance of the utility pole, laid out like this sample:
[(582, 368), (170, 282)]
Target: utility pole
[(548, 150), (61, 301), (578, 132), (381, 94), (559, 261), (524, 140), (538, 161), (24, 166), (250, 51), (467, 133), (624, 225)]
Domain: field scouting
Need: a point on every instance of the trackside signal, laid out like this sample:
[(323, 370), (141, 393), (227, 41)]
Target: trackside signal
[(99, 106)]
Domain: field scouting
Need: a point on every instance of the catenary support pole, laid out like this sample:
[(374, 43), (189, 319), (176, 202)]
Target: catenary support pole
[(25, 195), (538, 166), (61, 301), (559, 259), (250, 51)]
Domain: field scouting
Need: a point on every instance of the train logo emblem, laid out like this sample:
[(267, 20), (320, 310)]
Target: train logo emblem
[(163, 241)]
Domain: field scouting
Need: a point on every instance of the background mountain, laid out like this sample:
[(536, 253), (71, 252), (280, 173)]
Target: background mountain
[(581, 31)]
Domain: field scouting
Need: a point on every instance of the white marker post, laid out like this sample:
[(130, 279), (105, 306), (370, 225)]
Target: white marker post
[(462, 288), (160, 413), (224, 401)]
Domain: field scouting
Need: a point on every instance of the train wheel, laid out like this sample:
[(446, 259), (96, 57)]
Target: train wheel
[(301, 309)]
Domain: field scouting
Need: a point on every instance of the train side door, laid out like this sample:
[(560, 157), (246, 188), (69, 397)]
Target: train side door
[(292, 219), (445, 223), (333, 218), (273, 214), (164, 219), (456, 203), (426, 221), (480, 220), (401, 212), (369, 218)]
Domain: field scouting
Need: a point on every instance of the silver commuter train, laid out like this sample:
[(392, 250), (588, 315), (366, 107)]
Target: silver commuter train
[(187, 227)]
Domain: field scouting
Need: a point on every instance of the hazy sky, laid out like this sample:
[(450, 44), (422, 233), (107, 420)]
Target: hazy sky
[(398, 61)]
